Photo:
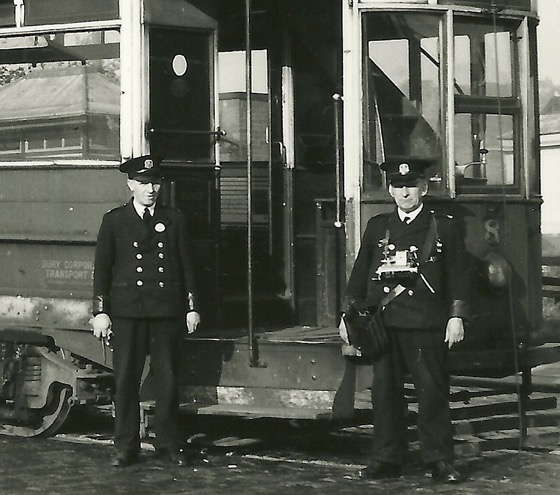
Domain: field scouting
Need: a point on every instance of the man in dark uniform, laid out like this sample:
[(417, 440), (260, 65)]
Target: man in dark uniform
[(144, 296), (421, 255)]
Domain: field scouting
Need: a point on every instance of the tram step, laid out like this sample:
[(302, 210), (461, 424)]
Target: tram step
[(471, 445), (258, 411), (476, 403), (147, 409), (538, 419)]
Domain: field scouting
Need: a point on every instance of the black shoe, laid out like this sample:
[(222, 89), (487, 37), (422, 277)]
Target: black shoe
[(124, 459), (443, 471), (380, 471), (174, 457)]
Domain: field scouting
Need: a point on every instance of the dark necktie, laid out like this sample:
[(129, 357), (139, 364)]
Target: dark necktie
[(147, 216), (407, 220)]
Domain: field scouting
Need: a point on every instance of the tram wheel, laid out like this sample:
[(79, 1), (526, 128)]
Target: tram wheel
[(51, 417)]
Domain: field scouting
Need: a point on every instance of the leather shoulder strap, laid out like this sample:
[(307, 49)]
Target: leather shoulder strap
[(431, 237)]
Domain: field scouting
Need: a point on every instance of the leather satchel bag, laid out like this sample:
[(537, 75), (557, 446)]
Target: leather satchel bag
[(366, 331)]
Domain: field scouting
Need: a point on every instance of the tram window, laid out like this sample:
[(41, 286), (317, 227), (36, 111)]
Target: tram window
[(478, 48), (402, 96), (487, 109), (485, 158), (60, 96)]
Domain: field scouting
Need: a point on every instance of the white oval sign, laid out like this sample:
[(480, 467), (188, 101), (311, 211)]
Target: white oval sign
[(180, 65)]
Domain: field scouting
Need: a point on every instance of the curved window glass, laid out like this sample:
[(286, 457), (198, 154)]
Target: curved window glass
[(402, 54)]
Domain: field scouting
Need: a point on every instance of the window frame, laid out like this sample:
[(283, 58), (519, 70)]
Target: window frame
[(500, 106)]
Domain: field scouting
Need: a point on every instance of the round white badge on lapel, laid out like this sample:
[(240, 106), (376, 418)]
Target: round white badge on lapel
[(159, 227)]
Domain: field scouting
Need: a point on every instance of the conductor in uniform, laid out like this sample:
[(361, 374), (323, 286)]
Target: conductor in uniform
[(144, 297), (420, 255)]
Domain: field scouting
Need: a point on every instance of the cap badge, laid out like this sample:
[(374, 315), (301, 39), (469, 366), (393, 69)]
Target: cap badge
[(404, 168), (148, 163), (159, 227)]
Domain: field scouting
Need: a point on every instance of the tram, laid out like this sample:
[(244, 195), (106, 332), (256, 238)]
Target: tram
[(272, 118)]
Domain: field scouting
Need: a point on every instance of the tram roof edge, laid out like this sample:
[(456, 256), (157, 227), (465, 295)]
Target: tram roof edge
[(526, 5)]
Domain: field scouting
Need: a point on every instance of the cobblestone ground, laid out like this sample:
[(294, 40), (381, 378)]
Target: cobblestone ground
[(78, 463), (65, 468)]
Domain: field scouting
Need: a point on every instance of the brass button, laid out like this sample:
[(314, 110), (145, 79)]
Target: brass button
[(139, 269), (138, 256), (161, 255), (160, 269), (139, 283), (160, 244), (161, 284)]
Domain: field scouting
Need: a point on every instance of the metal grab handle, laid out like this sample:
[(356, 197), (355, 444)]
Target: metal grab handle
[(218, 133), (337, 104)]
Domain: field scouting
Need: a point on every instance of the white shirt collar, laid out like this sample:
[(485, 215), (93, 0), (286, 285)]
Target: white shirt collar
[(412, 215), (140, 209)]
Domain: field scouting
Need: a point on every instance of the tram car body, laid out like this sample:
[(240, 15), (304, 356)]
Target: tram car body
[(272, 118)]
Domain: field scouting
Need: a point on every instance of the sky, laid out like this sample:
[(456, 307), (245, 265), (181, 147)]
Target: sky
[(548, 39)]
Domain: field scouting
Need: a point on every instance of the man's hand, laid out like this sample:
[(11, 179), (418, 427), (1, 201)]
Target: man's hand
[(101, 324), (343, 331), (455, 331), (192, 319)]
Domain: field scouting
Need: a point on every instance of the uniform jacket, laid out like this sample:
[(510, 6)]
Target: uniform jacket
[(446, 272), (143, 271)]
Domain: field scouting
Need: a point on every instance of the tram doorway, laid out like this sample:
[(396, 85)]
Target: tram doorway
[(260, 197)]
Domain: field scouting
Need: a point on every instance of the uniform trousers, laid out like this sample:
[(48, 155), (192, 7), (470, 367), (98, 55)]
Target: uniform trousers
[(132, 340), (423, 354)]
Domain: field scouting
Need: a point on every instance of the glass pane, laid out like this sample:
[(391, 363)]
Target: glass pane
[(484, 150), (479, 45), (402, 93), (180, 95), (60, 96)]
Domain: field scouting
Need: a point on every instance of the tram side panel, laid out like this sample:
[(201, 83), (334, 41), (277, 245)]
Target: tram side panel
[(49, 359), (47, 240)]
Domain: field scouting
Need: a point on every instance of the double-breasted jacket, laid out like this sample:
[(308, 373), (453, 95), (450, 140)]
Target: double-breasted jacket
[(143, 270)]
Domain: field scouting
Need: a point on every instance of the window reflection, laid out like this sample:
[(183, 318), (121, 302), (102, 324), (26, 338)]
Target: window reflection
[(60, 96), (478, 48)]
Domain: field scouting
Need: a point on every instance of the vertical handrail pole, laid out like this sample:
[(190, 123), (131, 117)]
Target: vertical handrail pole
[(338, 157), (253, 352)]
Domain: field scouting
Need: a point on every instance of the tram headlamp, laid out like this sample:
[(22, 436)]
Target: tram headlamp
[(497, 271)]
